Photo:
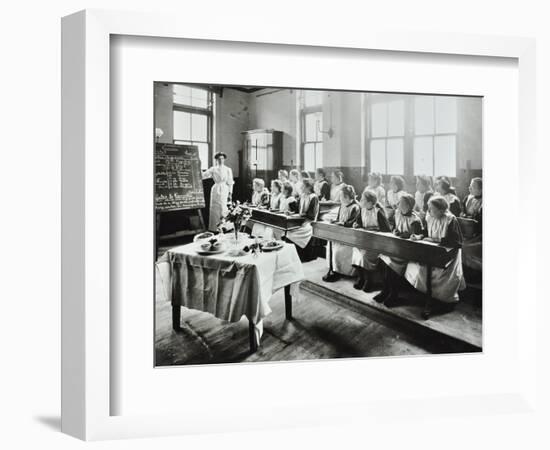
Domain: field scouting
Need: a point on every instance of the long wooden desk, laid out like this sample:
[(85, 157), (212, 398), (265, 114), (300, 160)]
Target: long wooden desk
[(326, 206), (429, 254), (277, 220)]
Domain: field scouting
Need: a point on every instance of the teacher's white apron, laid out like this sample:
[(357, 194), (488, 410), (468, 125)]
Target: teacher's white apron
[(219, 194)]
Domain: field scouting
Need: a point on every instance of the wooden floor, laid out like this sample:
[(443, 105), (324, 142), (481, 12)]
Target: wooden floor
[(321, 329), (464, 324)]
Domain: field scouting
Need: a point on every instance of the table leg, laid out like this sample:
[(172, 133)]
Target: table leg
[(288, 303), (252, 336), (428, 305), (176, 316)]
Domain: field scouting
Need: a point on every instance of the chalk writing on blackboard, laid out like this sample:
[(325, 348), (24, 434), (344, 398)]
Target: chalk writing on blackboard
[(178, 181)]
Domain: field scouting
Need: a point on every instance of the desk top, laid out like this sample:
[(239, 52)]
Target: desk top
[(386, 243)]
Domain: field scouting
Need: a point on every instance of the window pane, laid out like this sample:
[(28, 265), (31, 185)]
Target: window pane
[(203, 154), (182, 126), (309, 157), (318, 155), (199, 127), (378, 155), (394, 149), (423, 157), (199, 98), (182, 94), (424, 115), (379, 115), (313, 98), (445, 156), (396, 118), (445, 115), (311, 126)]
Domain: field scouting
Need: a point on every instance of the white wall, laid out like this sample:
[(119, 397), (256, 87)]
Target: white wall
[(232, 116), (277, 110)]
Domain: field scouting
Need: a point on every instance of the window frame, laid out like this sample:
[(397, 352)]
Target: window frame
[(409, 131), (208, 112), (433, 135), (304, 111), (386, 99)]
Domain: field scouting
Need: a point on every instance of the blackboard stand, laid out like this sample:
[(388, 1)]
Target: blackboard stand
[(158, 238)]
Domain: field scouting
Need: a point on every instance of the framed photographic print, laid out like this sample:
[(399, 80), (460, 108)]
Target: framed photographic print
[(252, 219)]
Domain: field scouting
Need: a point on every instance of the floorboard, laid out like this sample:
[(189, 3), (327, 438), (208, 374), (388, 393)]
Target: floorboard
[(320, 329)]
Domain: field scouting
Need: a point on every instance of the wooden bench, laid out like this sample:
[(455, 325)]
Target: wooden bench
[(429, 254)]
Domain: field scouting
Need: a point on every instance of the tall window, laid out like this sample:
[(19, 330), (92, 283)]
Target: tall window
[(312, 124), (435, 129), (387, 136), (193, 119)]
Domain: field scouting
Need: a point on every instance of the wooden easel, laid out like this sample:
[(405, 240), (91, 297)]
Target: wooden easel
[(181, 233)]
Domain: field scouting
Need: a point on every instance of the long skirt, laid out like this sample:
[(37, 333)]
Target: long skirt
[(445, 282), (341, 258), (301, 236), (218, 204), (398, 265), (362, 258)]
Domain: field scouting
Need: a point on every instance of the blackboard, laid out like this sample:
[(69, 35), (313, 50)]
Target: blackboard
[(178, 180)]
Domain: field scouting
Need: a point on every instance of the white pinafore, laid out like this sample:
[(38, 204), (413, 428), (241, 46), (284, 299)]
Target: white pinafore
[(445, 282), (360, 258)]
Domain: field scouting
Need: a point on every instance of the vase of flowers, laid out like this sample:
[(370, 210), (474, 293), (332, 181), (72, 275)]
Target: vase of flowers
[(237, 215)]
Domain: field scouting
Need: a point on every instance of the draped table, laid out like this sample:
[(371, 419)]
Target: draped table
[(229, 287)]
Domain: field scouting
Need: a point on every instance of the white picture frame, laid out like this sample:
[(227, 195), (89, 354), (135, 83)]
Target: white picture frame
[(86, 284)]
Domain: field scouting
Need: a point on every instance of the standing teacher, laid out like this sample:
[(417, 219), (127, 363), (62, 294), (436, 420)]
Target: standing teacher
[(222, 190)]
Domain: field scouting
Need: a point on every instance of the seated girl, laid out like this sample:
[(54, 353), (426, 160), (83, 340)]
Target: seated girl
[(341, 254), (309, 209), (276, 195), (260, 199), (375, 185), (260, 194), (443, 229), (423, 193), (288, 204), (372, 218), (444, 189), (472, 246), (282, 176), (397, 186), (336, 185), (473, 201), (275, 202), (296, 181), (407, 223), (321, 186)]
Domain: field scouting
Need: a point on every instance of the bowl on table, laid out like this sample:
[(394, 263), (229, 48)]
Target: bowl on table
[(210, 247), (203, 236), (272, 245)]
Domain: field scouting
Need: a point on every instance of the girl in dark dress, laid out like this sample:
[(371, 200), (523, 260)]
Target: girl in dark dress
[(321, 186)]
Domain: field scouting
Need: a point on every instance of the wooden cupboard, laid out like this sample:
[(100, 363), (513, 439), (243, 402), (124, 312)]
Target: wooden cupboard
[(261, 157)]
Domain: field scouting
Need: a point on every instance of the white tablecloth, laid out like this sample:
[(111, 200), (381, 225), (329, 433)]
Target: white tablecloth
[(229, 287)]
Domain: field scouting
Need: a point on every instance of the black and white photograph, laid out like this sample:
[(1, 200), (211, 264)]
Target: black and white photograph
[(300, 224)]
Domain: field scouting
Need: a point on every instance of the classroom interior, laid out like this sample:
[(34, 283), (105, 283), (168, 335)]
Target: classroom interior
[(354, 134)]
